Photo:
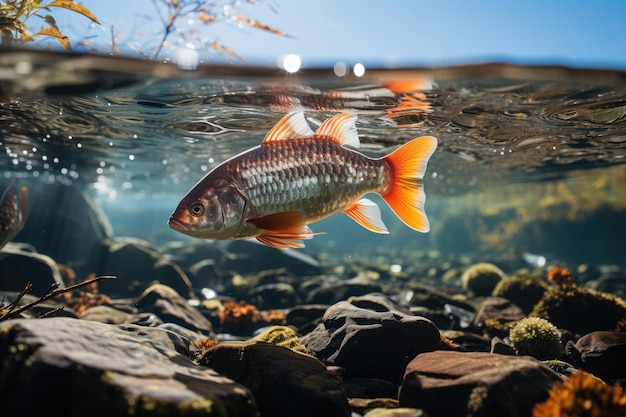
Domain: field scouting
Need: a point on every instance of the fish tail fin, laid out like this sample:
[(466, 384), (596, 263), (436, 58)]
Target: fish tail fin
[(406, 195)]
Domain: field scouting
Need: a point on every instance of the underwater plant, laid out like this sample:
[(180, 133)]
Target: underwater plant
[(238, 317), (536, 337), (481, 278), (15, 16), (282, 336), (560, 275), (272, 316), (582, 395), (521, 290)]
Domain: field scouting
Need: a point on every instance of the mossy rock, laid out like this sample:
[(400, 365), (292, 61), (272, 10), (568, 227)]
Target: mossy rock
[(481, 279), (521, 290), (580, 310)]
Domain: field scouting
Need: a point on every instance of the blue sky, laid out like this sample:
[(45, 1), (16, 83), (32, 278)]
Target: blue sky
[(577, 33)]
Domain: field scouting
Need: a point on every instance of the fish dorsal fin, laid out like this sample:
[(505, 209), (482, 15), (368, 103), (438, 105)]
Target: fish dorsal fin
[(283, 230), (292, 125), (367, 213), (340, 128)]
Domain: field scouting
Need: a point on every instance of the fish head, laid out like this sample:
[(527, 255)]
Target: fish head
[(211, 210)]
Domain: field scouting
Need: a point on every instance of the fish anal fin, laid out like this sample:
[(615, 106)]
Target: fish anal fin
[(291, 126), (283, 230), (341, 128), (367, 213), (405, 194)]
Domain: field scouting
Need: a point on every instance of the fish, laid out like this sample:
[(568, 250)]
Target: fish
[(13, 212), (296, 177)]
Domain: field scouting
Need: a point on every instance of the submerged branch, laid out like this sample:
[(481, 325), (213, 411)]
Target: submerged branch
[(13, 310)]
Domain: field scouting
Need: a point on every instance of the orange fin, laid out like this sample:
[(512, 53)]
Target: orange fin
[(406, 195), (291, 126), (340, 128), (407, 85), (367, 213), (283, 230)]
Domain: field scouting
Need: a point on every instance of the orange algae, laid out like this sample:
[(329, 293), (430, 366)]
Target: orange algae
[(238, 317), (560, 275), (582, 395)]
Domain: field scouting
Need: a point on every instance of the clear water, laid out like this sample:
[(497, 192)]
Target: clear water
[(530, 159)]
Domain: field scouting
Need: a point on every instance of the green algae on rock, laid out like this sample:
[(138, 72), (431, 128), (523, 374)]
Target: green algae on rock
[(536, 337), (481, 278)]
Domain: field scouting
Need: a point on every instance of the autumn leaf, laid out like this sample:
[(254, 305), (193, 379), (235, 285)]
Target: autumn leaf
[(253, 23), (75, 7), (52, 32)]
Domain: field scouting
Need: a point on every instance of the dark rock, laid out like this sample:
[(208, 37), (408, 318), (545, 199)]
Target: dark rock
[(612, 281), (602, 353), (333, 291), (19, 266), (468, 341), (377, 302), (65, 223), (71, 367), (369, 388), (496, 314), (422, 295), (284, 383), (305, 317), (170, 307), (249, 257), (458, 384), (206, 274), (110, 315), (370, 344), (190, 252), (273, 296), (136, 264)]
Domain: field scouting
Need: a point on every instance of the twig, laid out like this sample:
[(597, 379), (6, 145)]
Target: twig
[(12, 310)]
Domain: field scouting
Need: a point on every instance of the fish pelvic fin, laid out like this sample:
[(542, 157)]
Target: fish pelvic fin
[(367, 213), (405, 194), (283, 230), (292, 125), (341, 128)]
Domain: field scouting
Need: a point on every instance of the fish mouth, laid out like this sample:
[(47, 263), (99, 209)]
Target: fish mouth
[(176, 224)]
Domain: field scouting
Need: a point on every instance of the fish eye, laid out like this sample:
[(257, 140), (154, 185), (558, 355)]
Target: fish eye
[(196, 209)]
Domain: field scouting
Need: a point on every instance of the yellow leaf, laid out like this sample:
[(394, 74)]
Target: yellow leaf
[(75, 7), (63, 40)]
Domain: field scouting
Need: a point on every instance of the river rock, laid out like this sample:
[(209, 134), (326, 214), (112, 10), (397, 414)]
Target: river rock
[(370, 344), (64, 222), (136, 264), (284, 383), (71, 367), (602, 353), (459, 384), (171, 307)]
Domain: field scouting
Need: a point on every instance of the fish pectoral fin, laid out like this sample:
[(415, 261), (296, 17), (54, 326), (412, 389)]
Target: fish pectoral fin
[(367, 213), (283, 230)]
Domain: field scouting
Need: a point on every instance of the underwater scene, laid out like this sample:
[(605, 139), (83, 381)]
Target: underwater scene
[(181, 238)]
